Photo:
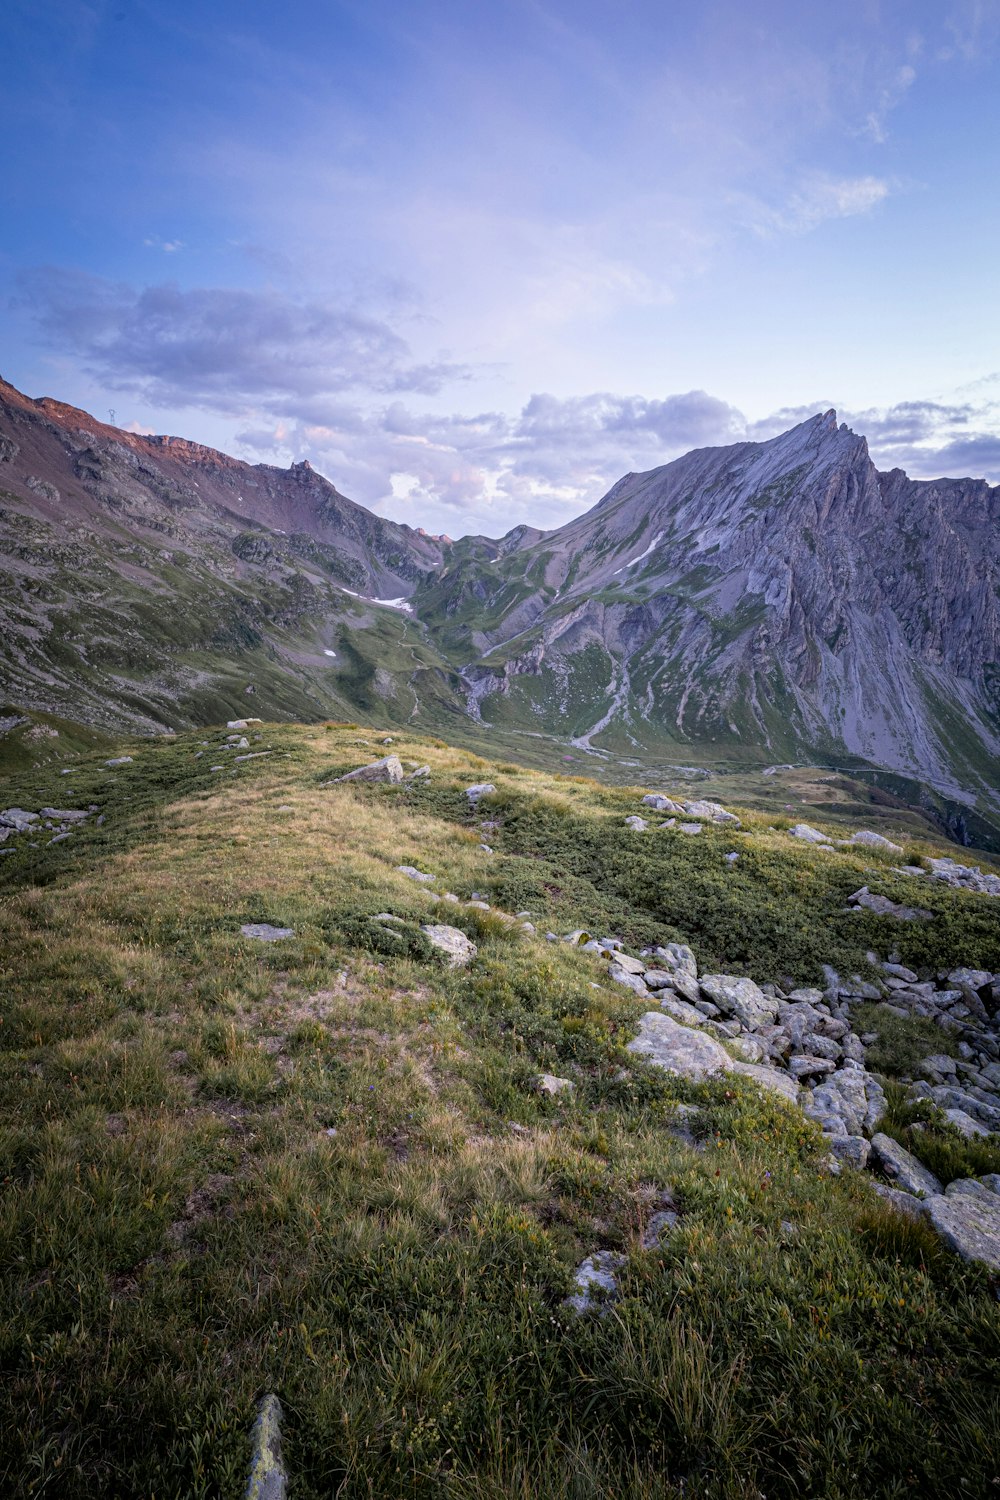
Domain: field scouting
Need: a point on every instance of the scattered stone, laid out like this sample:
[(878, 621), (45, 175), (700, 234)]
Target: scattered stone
[(254, 755), (119, 760), (689, 828), (678, 958), (578, 936), (679, 1049), (63, 815), (481, 789), (804, 1066), (412, 873), (874, 841), (419, 773), (635, 822), (550, 1085), (452, 942), (710, 812), (848, 1102), (971, 1187), (263, 932), (969, 877), (595, 1278), (902, 1168), (883, 907), (808, 835), (389, 768), (659, 803), (238, 723), (630, 965), (17, 819), (680, 1010), (660, 1224), (731, 858), (968, 1225)]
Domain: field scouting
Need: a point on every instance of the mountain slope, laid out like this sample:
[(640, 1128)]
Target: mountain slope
[(778, 601), (782, 596), (151, 582)]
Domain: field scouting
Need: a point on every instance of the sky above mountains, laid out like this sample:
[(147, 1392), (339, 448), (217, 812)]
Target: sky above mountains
[(476, 260)]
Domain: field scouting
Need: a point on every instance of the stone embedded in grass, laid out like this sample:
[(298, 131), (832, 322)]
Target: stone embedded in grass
[(808, 835), (452, 942), (679, 1049), (263, 932), (595, 1278), (119, 760), (659, 1226), (659, 803), (902, 1167), (630, 965), (637, 824), (971, 1187), (419, 773), (690, 828), (63, 815), (267, 1479), (874, 841), (968, 1225), (551, 1086), (481, 789), (238, 723), (711, 812), (389, 769), (903, 1203), (412, 873), (883, 907)]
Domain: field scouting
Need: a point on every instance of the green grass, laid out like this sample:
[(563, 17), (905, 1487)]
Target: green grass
[(903, 1041), (180, 1230)]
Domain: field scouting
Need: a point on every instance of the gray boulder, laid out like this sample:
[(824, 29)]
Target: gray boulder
[(389, 768), (853, 1150), (637, 824), (904, 1203), (678, 958), (902, 1168), (412, 873), (883, 907), (808, 835), (17, 819), (552, 1086), (659, 803), (771, 1079), (679, 1049), (452, 942), (481, 789), (852, 1096), (740, 998), (634, 982), (875, 841), (263, 932), (968, 1225)]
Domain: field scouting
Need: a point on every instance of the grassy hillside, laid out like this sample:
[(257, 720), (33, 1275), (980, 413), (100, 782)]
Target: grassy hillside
[(321, 1166)]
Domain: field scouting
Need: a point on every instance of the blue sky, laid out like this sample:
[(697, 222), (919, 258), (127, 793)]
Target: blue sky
[(475, 260)]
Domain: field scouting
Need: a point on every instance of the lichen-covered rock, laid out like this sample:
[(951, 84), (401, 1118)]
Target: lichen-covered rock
[(902, 1167), (854, 1150), (875, 841), (851, 1096), (808, 835), (267, 1479), (772, 1079), (595, 1278), (740, 998), (389, 768), (679, 1049), (481, 789), (968, 1225), (452, 942)]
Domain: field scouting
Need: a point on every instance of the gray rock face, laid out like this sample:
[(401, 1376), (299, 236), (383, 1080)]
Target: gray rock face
[(965, 1124), (740, 998), (389, 768), (969, 1225), (634, 982), (679, 1049), (853, 1150), (452, 942), (902, 1168), (904, 1203)]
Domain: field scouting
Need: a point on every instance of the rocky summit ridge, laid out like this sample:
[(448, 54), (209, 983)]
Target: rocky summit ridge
[(779, 600)]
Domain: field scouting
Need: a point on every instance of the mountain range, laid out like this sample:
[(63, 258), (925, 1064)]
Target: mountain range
[(760, 602)]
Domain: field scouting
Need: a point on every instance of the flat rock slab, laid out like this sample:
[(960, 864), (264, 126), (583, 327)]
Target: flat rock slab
[(968, 1225), (808, 835), (630, 981), (452, 942), (902, 1167), (413, 873), (678, 1049), (17, 818), (883, 907), (265, 933), (903, 1203), (389, 768), (267, 1479), (771, 1079)]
